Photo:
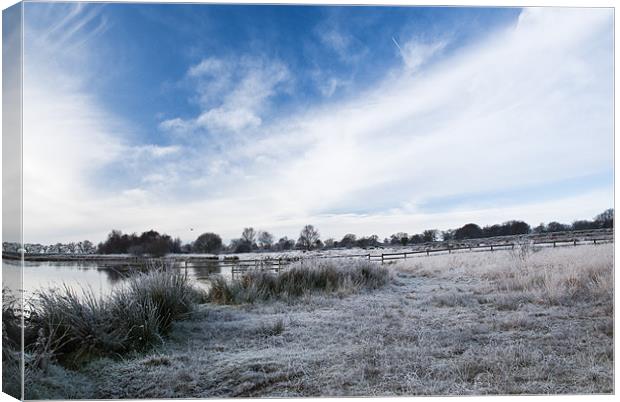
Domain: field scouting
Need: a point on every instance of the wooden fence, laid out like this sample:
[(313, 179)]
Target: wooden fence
[(277, 265)]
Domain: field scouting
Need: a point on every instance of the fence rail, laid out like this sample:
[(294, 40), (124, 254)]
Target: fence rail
[(387, 257)]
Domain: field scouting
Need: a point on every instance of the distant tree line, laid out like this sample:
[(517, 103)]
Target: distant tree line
[(155, 244), (148, 243)]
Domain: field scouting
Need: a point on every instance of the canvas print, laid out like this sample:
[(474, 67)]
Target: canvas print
[(229, 200)]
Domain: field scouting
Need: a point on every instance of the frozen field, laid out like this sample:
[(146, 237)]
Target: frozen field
[(470, 323)]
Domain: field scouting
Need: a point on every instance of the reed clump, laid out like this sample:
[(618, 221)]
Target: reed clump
[(300, 280)]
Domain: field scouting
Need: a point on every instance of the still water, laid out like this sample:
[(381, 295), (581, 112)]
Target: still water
[(98, 277)]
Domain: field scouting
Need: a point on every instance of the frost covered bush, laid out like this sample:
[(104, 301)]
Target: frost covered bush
[(299, 280)]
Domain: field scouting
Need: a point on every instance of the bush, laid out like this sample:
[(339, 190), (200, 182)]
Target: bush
[(321, 276)]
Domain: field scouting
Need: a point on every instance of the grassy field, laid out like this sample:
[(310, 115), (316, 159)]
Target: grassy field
[(508, 322)]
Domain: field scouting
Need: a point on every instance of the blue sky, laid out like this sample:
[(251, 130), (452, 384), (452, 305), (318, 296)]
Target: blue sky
[(355, 119)]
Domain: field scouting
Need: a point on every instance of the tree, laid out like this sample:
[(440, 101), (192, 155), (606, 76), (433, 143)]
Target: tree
[(373, 240), (285, 244), (584, 225), (416, 239), (86, 247), (329, 243), (557, 227), (265, 240), (542, 228), (186, 248), (493, 231), (429, 235), (207, 243), (401, 238), (249, 236), (177, 246), (153, 243), (240, 246), (469, 231), (348, 240), (447, 235), (308, 237), (516, 227), (363, 242), (605, 219)]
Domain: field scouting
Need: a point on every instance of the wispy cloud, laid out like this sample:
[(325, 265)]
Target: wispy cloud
[(233, 94), (333, 34), (416, 53)]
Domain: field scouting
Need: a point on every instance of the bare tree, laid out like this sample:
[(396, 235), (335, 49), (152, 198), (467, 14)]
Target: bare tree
[(265, 240), (308, 238), (249, 236)]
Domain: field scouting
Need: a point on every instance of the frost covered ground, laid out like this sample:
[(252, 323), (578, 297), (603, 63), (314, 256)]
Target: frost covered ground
[(471, 323)]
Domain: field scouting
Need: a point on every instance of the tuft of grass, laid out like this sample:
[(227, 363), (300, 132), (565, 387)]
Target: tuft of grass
[(452, 299), (319, 276), (273, 329), (76, 328)]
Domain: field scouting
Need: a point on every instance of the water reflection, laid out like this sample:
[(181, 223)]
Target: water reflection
[(99, 277)]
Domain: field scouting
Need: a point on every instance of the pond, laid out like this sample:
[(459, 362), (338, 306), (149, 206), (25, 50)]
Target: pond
[(99, 277)]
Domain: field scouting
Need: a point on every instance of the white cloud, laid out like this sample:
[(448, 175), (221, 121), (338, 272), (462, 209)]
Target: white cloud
[(337, 41), (228, 119), (233, 94), (347, 47), (210, 66), (158, 151), (176, 126), (530, 105), (415, 54)]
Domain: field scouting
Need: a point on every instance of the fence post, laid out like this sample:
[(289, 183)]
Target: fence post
[(427, 253), (368, 256), (595, 242), (491, 247), (513, 246), (553, 244), (575, 242), (381, 258)]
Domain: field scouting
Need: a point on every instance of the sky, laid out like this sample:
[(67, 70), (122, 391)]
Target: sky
[(369, 120)]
